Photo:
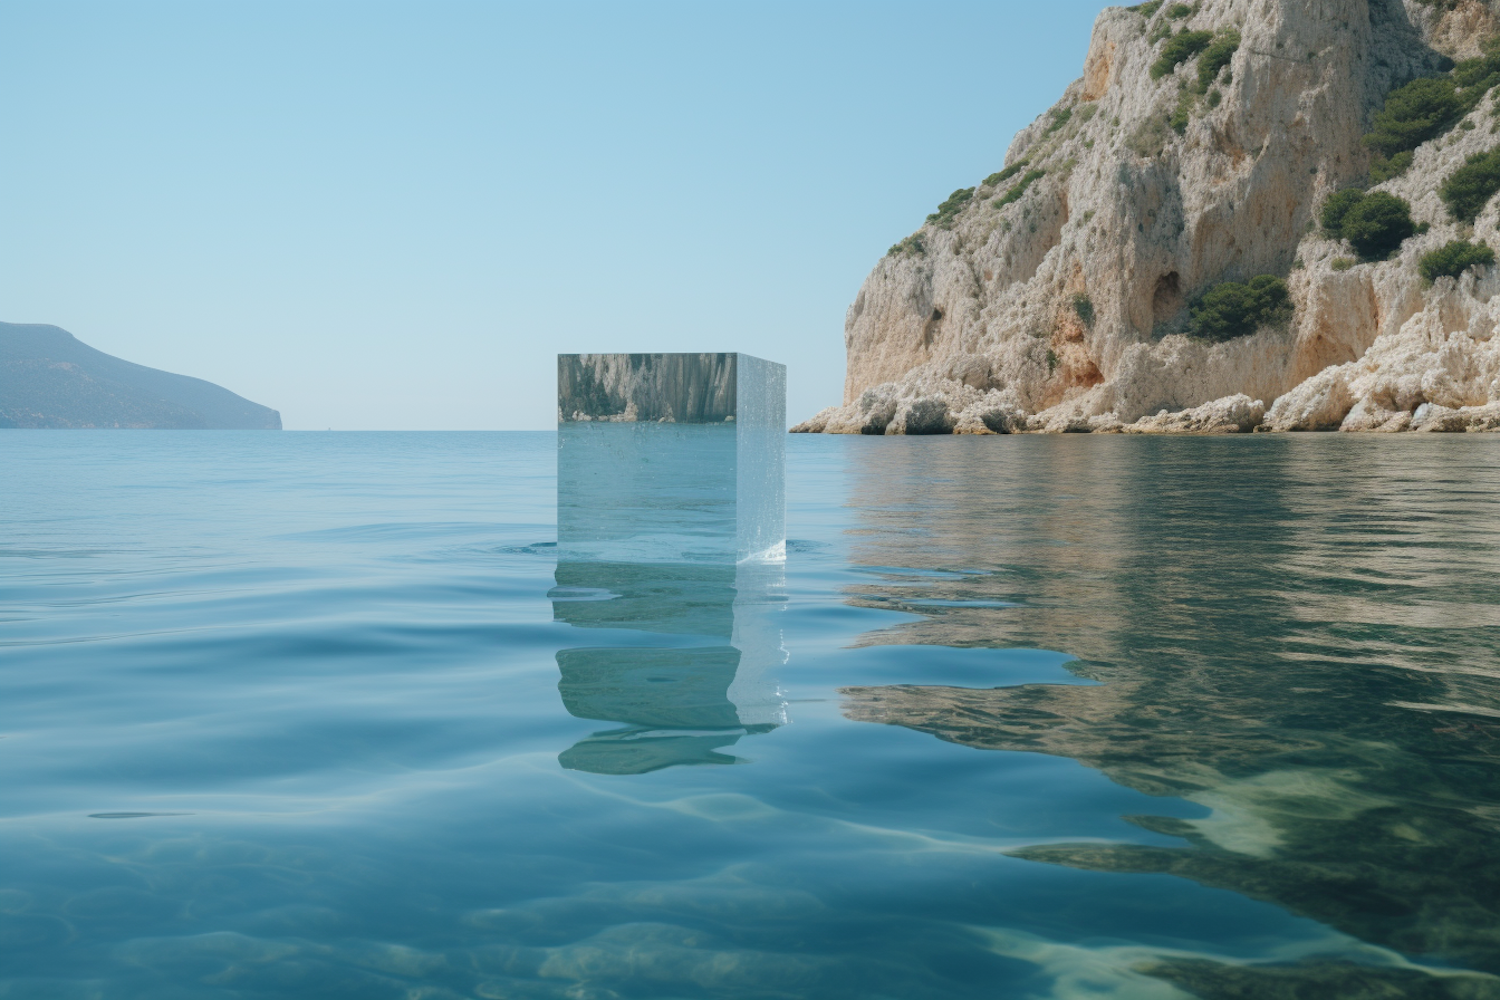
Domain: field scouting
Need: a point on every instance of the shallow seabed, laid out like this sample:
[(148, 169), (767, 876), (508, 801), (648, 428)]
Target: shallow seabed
[(1064, 717)]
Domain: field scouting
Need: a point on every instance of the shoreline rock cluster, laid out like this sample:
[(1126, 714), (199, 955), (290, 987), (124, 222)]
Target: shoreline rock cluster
[(1237, 414), (1195, 157)]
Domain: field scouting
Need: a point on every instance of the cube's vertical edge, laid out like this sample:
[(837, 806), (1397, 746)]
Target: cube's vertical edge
[(760, 473)]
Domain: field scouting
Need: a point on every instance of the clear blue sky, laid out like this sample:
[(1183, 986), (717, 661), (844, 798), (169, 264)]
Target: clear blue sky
[(376, 215)]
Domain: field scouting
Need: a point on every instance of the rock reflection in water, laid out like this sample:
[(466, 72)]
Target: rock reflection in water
[(675, 530), (1299, 635)]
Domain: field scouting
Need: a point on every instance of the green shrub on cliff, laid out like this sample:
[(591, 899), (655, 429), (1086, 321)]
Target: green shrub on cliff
[(1472, 185), (1335, 208), (1421, 110), (1084, 307), (1019, 188), (1378, 225), (1374, 224), (1383, 168), (1231, 309), (1427, 107), (1477, 76), (1210, 63), (911, 245), (951, 207), (1216, 57), (1179, 49), (1001, 176), (1454, 259), (1183, 113)]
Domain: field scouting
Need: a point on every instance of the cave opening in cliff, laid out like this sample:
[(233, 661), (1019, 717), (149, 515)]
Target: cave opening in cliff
[(930, 327), (1167, 299)]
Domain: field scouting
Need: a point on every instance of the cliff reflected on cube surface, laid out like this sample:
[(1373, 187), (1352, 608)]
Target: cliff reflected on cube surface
[(671, 523)]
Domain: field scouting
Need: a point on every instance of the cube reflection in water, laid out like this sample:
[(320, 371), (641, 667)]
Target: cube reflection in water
[(670, 522)]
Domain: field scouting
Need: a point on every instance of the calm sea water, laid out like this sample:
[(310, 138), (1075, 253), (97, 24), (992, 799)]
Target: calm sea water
[(314, 716)]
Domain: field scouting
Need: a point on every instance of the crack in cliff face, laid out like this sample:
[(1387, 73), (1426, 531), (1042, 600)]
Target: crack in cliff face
[(1143, 193)]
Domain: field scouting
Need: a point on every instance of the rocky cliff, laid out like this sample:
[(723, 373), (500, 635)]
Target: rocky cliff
[(48, 378), (1161, 253)]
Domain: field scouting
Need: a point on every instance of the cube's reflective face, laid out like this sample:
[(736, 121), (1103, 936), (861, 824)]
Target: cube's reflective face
[(671, 521)]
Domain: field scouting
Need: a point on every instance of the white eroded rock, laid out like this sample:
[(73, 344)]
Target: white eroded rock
[(1235, 414), (1056, 297)]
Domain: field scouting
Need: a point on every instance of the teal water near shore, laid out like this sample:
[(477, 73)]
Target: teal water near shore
[(298, 715)]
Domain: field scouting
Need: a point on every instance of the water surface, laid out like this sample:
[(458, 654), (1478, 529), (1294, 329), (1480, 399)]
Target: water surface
[(319, 715)]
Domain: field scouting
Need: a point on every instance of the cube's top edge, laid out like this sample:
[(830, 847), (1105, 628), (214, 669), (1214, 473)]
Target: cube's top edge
[(641, 356)]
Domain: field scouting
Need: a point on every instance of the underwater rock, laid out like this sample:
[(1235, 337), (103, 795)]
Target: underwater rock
[(1344, 980)]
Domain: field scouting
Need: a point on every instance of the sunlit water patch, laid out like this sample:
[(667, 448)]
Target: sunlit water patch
[(310, 715)]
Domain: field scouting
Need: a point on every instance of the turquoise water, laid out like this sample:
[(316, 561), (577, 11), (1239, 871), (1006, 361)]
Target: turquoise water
[(318, 715)]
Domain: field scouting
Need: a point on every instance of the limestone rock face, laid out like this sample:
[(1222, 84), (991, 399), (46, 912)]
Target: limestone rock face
[(1056, 295)]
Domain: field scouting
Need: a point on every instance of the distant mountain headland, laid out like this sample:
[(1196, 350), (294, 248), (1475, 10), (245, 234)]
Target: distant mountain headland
[(48, 378), (1245, 215)]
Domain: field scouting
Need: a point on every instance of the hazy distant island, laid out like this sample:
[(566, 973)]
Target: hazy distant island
[(49, 378), (1245, 215)]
